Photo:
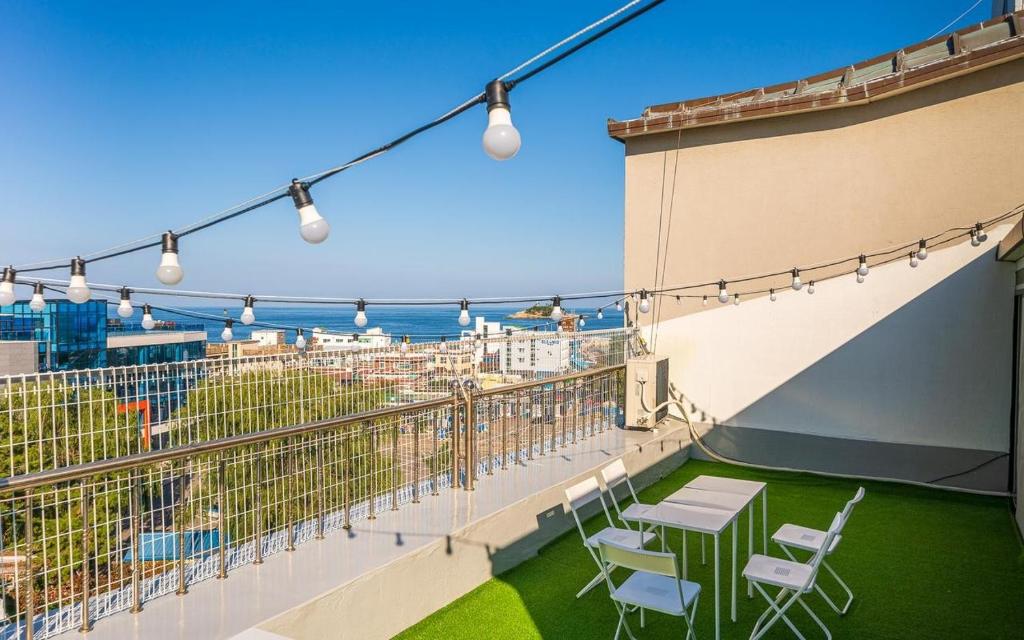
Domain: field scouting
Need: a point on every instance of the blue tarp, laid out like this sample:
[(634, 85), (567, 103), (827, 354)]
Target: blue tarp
[(163, 545)]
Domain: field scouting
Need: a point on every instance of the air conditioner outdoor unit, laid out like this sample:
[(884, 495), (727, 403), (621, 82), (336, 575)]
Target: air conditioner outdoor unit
[(646, 388)]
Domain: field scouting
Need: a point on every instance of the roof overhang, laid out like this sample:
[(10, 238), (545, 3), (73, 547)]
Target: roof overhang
[(1011, 248)]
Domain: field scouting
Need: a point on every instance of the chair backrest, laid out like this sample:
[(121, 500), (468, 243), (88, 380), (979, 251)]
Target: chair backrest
[(614, 475), (848, 509), (659, 562), (819, 555), (581, 494)]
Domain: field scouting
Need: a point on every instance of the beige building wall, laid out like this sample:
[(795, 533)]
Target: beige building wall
[(769, 194)]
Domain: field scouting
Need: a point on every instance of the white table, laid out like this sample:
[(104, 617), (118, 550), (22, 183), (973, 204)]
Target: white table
[(701, 520)]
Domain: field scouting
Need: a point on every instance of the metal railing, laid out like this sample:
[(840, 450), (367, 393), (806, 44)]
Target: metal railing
[(100, 513)]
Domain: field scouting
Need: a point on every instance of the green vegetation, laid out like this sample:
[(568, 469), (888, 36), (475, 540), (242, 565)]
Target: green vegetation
[(922, 563)]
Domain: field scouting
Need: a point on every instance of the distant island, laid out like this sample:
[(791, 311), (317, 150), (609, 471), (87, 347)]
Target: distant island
[(536, 311)]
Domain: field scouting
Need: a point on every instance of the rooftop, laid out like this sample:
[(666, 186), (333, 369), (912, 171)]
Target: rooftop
[(988, 43), (922, 563)]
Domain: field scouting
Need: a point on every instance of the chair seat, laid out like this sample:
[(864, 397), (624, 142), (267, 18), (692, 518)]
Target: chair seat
[(619, 536), (636, 510), (657, 592), (805, 538), (778, 572)]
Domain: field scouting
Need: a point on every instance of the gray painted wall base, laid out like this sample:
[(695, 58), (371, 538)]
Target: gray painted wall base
[(858, 457)]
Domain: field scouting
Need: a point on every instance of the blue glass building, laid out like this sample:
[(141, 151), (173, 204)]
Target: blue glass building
[(69, 335)]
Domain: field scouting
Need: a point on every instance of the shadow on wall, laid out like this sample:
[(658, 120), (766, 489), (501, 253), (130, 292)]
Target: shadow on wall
[(936, 370), (979, 82)]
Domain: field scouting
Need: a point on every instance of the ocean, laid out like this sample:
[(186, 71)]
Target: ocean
[(421, 323)]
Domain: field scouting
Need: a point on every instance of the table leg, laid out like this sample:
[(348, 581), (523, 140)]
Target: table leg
[(718, 621), (663, 539), (684, 555), (735, 532), (750, 544), (764, 518), (703, 554)]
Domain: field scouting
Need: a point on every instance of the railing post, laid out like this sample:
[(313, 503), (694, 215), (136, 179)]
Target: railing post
[(258, 557), (222, 516), (416, 464), (289, 500), (86, 624), (179, 526), (373, 472), (503, 409), (454, 436), (437, 460), (30, 579), (320, 481), (490, 436), (554, 417), (346, 478), (394, 465), (136, 526), (470, 441), (529, 427)]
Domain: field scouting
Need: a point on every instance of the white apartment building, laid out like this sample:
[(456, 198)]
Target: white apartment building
[(547, 355)]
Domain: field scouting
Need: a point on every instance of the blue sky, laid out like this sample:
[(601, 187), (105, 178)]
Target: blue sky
[(123, 119)]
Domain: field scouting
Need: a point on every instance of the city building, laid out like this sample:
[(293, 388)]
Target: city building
[(268, 337), (66, 335), (167, 342), (325, 340), (551, 354)]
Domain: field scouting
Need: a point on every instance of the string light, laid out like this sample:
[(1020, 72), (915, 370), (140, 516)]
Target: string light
[(300, 339), (974, 238), (147, 317), (913, 260), (405, 344), (645, 304), (860, 278), (442, 346), (704, 301), (736, 300), (583, 321), (796, 280), (501, 139), (771, 295), (124, 308), (248, 316), (169, 272), (723, 295), (7, 286), (618, 305), (556, 308), (600, 314), (360, 318), (226, 335), (862, 267), (922, 249), (810, 287), (78, 290), (464, 312), (982, 236), (679, 300), (37, 303), (312, 226)]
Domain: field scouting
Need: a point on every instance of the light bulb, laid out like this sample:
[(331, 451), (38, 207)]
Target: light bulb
[(405, 344), (312, 226), (37, 303), (360, 319), (982, 236), (443, 346), (679, 300), (862, 269), (618, 306), (78, 289), (810, 287), (600, 314), (464, 313), (556, 309), (124, 308), (501, 140), (736, 300), (771, 295), (796, 280), (583, 322), (704, 302), (226, 335), (300, 340), (723, 295), (7, 287), (147, 317), (974, 238), (922, 250), (645, 304), (169, 272), (248, 317), (860, 277), (913, 259)]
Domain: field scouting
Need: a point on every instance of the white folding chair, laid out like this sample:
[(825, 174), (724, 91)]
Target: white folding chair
[(615, 475), (579, 495), (791, 536), (794, 579), (655, 584)]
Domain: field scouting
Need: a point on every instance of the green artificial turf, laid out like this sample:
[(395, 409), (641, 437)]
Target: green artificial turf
[(923, 563)]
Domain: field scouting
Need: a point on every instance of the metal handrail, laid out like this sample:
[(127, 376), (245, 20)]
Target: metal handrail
[(85, 470)]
